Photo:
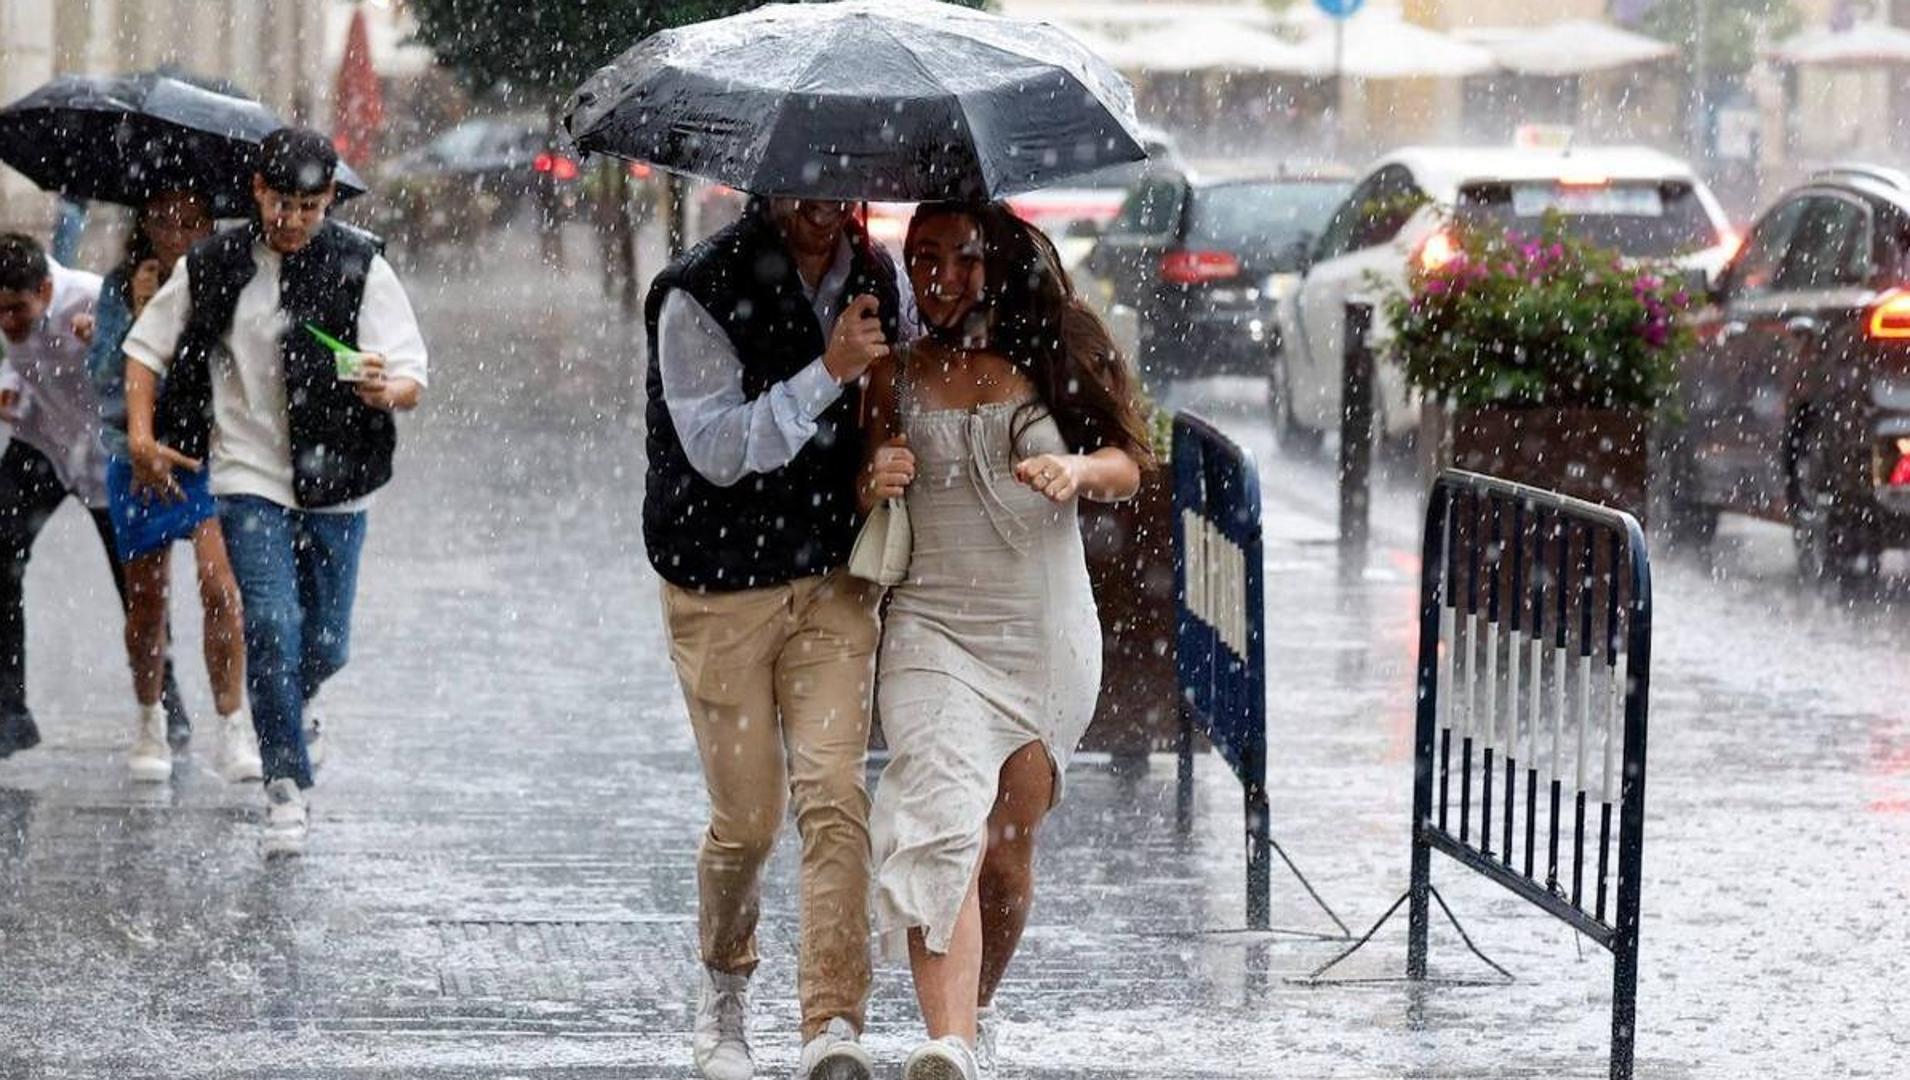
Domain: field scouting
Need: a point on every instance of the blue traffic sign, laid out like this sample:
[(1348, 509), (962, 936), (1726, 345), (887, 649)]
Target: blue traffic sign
[(1339, 9)]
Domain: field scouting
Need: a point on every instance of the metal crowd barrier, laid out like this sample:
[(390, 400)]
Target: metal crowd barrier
[(1220, 640), (1534, 683)]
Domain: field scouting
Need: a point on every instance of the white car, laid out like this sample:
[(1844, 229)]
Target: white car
[(1644, 203)]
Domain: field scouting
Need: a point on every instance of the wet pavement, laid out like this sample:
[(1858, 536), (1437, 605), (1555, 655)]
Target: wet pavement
[(499, 878)]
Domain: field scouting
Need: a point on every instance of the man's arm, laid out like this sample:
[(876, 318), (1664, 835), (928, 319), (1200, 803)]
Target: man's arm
[(726, 435), (388, 329)]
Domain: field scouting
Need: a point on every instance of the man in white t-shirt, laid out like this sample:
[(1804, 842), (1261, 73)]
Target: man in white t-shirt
[(299, 438), (46, 315)]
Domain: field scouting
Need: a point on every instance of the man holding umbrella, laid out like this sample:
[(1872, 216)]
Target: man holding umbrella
[(749, 514)]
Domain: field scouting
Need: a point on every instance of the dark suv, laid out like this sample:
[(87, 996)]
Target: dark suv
[(1196, 262), (1797, 400)]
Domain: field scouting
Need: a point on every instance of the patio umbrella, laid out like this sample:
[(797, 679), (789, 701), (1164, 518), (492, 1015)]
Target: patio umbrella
[(901, 100), (125, 138)]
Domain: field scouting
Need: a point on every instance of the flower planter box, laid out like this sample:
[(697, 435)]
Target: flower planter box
[(1599, 455), (1130, 549)]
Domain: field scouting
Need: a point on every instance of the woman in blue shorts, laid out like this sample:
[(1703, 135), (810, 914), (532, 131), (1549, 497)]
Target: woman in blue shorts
[(145, 525)]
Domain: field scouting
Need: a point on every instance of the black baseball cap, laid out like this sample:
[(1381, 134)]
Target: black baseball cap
[(297, 161)]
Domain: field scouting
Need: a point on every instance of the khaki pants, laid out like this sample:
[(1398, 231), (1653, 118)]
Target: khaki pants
[(778, 682)]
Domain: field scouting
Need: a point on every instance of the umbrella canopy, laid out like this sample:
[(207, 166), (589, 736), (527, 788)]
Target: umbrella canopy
[(1573, 47), (1869, 46), (902, 100), (125, 138)]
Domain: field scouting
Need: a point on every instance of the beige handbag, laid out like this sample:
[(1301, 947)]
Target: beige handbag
[(882, 549)]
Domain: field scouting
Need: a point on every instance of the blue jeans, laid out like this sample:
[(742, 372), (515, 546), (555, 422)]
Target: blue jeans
[(297, 573)]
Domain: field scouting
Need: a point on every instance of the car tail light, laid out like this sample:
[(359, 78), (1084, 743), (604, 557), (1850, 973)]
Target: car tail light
[(639, 170), (1437, 250), (1893, 464), (557, 165), (1198, 267), (1890, 316)]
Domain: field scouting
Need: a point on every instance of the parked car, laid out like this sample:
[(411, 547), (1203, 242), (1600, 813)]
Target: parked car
[(495, 165), (1641, 202), (1194, 264), (1796, 402)]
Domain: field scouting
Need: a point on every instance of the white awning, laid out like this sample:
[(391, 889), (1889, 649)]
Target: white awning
[(1870, 45), (1209, 46), (1380, 45), (1573, 47)]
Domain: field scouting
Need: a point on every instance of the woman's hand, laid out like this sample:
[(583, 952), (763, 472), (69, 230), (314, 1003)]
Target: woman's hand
[(1057, 476), (153, 464), (83, 327), (890, 471), (144, 284)]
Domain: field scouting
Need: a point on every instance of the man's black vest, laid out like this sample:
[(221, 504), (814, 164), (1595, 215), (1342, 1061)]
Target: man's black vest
[(774, 527), (341, 447)]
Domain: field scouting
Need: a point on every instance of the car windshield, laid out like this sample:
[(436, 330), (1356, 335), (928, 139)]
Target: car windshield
[(1261, 216), (1642, 219)]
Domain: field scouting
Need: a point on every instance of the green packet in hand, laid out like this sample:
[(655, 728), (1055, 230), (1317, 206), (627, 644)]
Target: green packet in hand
[(350, 362)]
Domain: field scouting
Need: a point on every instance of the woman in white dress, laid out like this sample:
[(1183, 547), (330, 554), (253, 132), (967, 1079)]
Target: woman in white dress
[(1014, 404)]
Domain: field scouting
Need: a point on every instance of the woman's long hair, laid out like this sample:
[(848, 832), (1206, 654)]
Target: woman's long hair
[(1043, 327), (139, 248)]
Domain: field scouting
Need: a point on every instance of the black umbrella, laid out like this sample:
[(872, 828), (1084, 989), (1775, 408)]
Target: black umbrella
[(125, 138), (901, 100)]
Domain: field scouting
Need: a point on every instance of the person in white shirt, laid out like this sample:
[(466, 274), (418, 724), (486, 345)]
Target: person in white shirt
[(298, 438), (46, 316)]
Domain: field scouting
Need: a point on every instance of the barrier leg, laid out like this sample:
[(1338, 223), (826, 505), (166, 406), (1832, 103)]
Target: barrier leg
[(1418, 909), (1184, 782), (1259, 861)]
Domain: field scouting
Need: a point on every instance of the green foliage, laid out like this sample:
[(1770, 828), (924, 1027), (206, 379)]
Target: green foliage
[(1521, 320), (545, 47), (1732, 29)]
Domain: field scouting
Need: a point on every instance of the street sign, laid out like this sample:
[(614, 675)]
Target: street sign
[(1339, 9)]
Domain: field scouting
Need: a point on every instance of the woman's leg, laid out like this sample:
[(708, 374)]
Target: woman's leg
[(1007, 878), (146, 581), (225, 618), (945, 983)]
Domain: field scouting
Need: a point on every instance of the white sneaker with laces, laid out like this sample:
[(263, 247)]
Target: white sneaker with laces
[(834, 1054), (985, 1056), (286, 820), (151, 759), (238, 753), (946, 1058), (719, 1039)]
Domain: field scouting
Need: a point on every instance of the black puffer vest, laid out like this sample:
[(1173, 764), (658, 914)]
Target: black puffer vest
[(767, 528), (341, 447)]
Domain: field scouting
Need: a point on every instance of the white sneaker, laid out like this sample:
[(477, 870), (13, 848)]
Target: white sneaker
[(151, 759), (719, 1040), (286, 822), (238, 753), (834, 1054), (946, 1058), (985, 1041)]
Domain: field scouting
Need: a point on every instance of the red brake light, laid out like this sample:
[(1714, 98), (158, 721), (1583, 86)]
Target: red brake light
[(1890, 316), (562, 168), (1198, 267), (639, 170), (1900, 472), (1437, 251), (541, 163)]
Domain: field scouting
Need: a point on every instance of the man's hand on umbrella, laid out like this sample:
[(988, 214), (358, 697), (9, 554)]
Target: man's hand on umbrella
[(153, 465), (857, 342)]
